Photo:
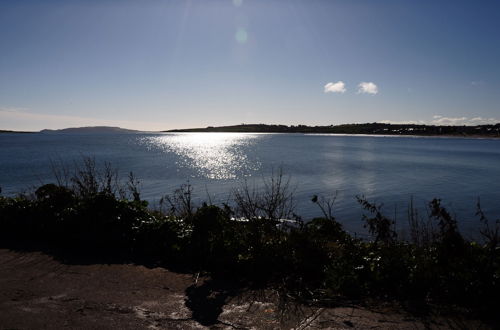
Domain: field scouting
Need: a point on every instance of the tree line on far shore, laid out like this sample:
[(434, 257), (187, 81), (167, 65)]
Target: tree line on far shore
[(368, 128)]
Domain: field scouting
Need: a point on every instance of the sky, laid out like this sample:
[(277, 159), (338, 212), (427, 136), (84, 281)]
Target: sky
[(164, 64)]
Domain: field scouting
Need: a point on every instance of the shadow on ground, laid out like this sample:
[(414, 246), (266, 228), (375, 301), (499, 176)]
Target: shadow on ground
[(206, 301)]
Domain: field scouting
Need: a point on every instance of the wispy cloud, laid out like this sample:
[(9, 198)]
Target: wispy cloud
[(367, 88), (10, 109), (338, 87), (18, 119), (402, 122), (442, 120), (465, 121)]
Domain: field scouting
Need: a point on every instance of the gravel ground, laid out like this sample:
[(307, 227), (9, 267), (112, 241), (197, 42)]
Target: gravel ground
[(39, 292)]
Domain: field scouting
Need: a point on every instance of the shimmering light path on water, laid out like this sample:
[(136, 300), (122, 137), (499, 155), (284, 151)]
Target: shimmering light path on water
[(211, 155)]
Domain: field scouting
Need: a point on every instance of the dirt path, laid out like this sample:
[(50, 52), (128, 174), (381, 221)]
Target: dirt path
[(38, 292)]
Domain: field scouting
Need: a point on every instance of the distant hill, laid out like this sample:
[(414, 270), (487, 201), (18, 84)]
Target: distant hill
[(367, 128), (18, 132), (90, 130)]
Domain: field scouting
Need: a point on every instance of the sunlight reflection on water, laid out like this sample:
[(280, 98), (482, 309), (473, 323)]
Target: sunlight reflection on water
[(212, 155)]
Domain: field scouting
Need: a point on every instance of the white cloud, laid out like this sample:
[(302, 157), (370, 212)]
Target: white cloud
[(440, 120), (402, 122), (446, 121), (367, 88), (338, 87)]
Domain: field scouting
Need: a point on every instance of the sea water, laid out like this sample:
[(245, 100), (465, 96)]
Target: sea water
[(388, 170)]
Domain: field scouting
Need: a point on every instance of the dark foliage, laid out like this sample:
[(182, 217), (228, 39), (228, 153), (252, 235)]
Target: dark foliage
[(379, 225), (313, 261)]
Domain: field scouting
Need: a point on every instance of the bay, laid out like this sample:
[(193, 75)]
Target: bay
[(385, 169)]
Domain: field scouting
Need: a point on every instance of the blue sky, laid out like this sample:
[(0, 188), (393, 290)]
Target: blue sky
[(157, 65)]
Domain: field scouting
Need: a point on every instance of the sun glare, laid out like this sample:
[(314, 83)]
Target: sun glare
[(212, 155)]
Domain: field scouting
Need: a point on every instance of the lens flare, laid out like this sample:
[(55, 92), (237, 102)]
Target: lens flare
[(241, 35)]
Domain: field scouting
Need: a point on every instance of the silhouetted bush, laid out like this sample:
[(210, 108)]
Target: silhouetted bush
[(314, 261)]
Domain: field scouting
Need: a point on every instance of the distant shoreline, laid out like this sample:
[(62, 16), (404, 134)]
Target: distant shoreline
[(368, 129), (350, 134)]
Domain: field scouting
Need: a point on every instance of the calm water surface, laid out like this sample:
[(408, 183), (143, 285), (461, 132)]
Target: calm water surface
[(388, 170)]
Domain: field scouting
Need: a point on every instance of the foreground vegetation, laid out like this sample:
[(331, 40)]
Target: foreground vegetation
[(91, 212)]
